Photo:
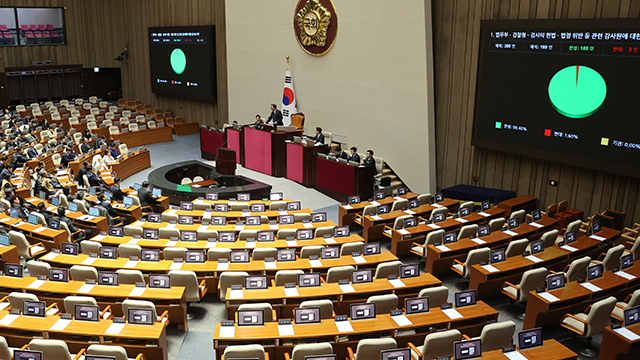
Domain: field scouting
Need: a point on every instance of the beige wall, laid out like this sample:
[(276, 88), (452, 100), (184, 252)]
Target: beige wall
[(372, 86)]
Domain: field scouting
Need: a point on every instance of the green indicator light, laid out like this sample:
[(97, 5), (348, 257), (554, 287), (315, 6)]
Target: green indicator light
[(178, 61), (577, 91), (498, 125)]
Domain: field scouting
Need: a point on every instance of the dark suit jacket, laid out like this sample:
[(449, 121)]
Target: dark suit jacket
[(67, 158), (94, 180), (80, 173), (355, 158), (318, 138), (67, 221), (113, 212), (117, 194), (276, 117), (146, 198), (370, 162), (85, 148), (32, 153), (343, 155)]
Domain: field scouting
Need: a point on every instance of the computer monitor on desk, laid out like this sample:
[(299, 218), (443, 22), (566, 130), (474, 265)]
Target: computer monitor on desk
[(396, 354), (27, 355)]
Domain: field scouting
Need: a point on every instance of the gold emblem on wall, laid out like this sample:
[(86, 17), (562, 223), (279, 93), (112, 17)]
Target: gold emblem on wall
[(315, 26)]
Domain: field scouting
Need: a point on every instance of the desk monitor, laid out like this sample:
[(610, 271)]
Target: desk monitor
[(309, 280), (218, 220), (256, 282), (239, 256), (416, 305), (276, 196), (484, 230), (195, 256), (361, 276), (4, 240), (69, 248), (342, 231), (286, 255), (108, 196), (185, 219), (595, 227), (536, 215), (211, 196), (631, 316), (156, 192), (438, 197), (159, 281), (253, 220), (626, 261), (330, 252), (221, 208), (73, 207), (439, 217), (594, 272), (293, 206), (188, 235), (93, 211), (570, 237), (27, 355), (383, 209), (402, 191), (140, 316), (244, 197), (319, 357), (449, 237), (55, 201), (363, 311), (396, 354), (115, 231), (107, 278), (307, 315), (59, 275), (250, 317), (150, 255), (555, 281), (108, 252), (33, 308), (151, 234), (371, 249), (32, 219), (529, 338), (469, 349), (414, 203), (154, 218), (266, 236), (319, 217), (464, 211), (99, 357), (260, 207), (13, 213), (186, 205), (353, 199), (304, 234), (409, 271), (127, 201), (286, 219), (498, 256), (537, 247), (86, 312), (513, 223), (136, 186), (378, 195), (465, 298), (485, 205), (409, 222)]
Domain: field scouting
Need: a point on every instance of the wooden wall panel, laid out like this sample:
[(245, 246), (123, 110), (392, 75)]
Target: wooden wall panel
[(98, 31), (456, 39)]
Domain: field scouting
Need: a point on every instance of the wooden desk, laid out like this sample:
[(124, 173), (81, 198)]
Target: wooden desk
[(22, 182), (401, 243), (225, 201), (172, 300), (474, 318), (347, 213), (230, 227), (301, 162), (617, 347), (162, 202), (235, 215), (439, 261), (555, 258), (144, 137), (76, 165), (373, 228), (52, 239), (210, 140), (185, 128), (550, 350), (265, 151), (9, 254), (339, 180), (130, 165), (47, 159), (99, 223), (527, 202)]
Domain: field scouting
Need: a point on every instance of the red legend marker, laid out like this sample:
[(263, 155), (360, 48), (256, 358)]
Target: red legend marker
[(547, 132)]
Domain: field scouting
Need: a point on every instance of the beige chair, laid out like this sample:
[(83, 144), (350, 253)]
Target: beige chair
[(127, 250), (194, 291), (283, 234), (303, 350), (467, 205), (550, 238), (130, 276), (467, 231), (38, 268), (300, 217), (123, 149), (52, 349), (322, 231), (563, 205), (146, 305), (400, 204), (26, 250), (384, 270), (442, 210), (632, 300), (438, 295), (166, 217), (73, 121), (519, 214), (133, 127), (171, 253), (168, 233), (113, 130), (125, 121), (248, 234), (207, 234), (577, 269), (575, 226), (278, 205), (239, 206), (202, 206), (432, 238), (245, 352), (16, 298), (108, 350), (185, 180), (287, 277), (350, 248), (516, 247), (152, 125), (368, 349), (424, 199), (263, 253), (439, 343), (92, 125), (311, 250), (107, 123), (399, 221), (384, 303), (196, 178), (269, 313), (130, 230), (325, 305), (71, 301), (214, 254), (497, 335), (5, 351), (496, 224), (228, 279), (612, 258), (531, 279), (475, 256), (337, 273), (90, 247), (592, 322)]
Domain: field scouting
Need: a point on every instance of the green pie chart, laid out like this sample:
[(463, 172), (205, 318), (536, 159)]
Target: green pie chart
[(577, 91), (178, 61)]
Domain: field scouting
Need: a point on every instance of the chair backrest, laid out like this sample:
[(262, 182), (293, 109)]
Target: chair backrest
[(612, 259), (516, 247), (51, 349), (635, 249), (549, 238), (475, 256), (133, 127), (114, 130), (439, 343), (38, 268), (303, 350), (552, 209), (239, 206), (71, 301), (400, 204), (92, 125), (600, 316), (311, 250), (5, 352), (168, 233), (434, 237), (495, 336), (20, 241), (138, 304), (202, 206), (207, 234), (171, 253), (371, 348), (399, 221), (129, 276), (438, 295), (108, 350), (123, 149), (151, 124), (635, 299), (519, 214), (350, 248), (369, 210), (214, 254), (189, 280), (252, 351), (229, 278), (323, 230), (563, 205), (325, 305), (266, 307), (90, 247), (300, 217), (469, 205), (384, 303), (73, 120), (278, 205), (442, 210), (467, 230), (496, 224), (578, 269), (531, 280), (287, 277), (185, 181), (131, 230), (16, 299), (383, 270), (129, 250), (263, 253), (56, 159), (335, 274), (285, 233), (424, 199), (574, 225), (83, 273)]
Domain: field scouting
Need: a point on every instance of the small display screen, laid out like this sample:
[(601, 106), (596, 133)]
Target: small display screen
[(59, 275), (439, 217), (252, 220), (467, 349), (626, 261), (363, 311), (156, 192), (464, 211), (286, 255), (221, 208), (307, 315), (195, 256), (342, 231), (378, 195), (150, 234), (159, 281), (13, 270), (594, 272), (73, 207), (570, 237), (185, 220), (486, 205), (211, 196), (4, 240), (128, 201), (361, 276), (266, 236), (107, 252), (141, 317), (256, 282), (383, 209), (497, 256), (555, 281), (309, 280), (93, 211), (188, 235), (150, 255), (293, 206), (330, 252), (484, 230), (396, 354), (465, 298), (595, 227), (319, 217), (536, 215), (513, 223), (631, 316), (449, 237), (409, 271), (244, 197), (32, 219), (33, 308), (69, 248), (239, 256), (186, 205), (304, 234), (218, 220), (276, 196), (529, 338), (416, 305), (537, 247), (107, 278), (154, 218), (250, 317), (27, 355), (285, 219), (54, 224), (115, 231), (409, 222), (258, 207), (371, 249), (354, 199), (86, 312)]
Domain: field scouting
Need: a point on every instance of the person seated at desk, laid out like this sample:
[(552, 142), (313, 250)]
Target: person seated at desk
[(113, 151), (5, 175), (68, 156), (117, 194), (107, 159), (3, 163), (10, 142), (67, 139), (94, 180), (32, 136), (276, 116), (42, 209), (46, 183), (6, 115), (146, 198), (370, 161), (77, 233), (81, 172), (19, 158), (353, 155), (16, 204), (101, 141), (31, 152), (22, 138), (259, 120), (341, 154), (26, 119), (102, 201), (319, 137), (85, 147)]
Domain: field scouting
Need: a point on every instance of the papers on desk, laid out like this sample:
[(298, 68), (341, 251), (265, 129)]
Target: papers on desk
[(36, 284), (315, 263), (510, 233), (250, 244), (359, 259), (227, 331), (5, 219), (239, 227), (409, 212), (397, 283), (274, 227), (137, 291), (452, 313), (478, 241), (8, 319), (596, 237), (348, 207), (482, 213), (202, 227), (515, 355), (133, 241), (307, 225), (434, 226), (630, 335), (590, 287), (461, 220), (222, 266), (137, 223), (569, 248), (172, 211), (19, 223), (199, 201), (436, 205), (285, 330), (291, 243), (171, 243), (625, 275), (211, 244), (291, 292), (61, 324), (236, 294), (89, 261), (270, 265), (85, 217), (375, 203), (114, 329), (536, 225), (196, 185), (401, 320), (396, 197), (549, 297), (443, 248), (533, 258), (176, 265), (51, 208), (347, 288), (170, 226), (98, 237), (403, 232), (344, 326), (490, 268), (130, 264), (282, 212), (49, 256), (41, 228), (376, 217), (330, 240), (86, 288)]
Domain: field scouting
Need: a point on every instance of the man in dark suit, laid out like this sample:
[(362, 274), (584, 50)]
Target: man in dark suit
[(16, 205), (94, 180), (116, 192), (102, 201), (83, 234), (100, 142), (68, 156), (369, 161), (81, 172), (341, 154), (85, 147), (319, 138), (354, 155), (276, 115), (146, 197)]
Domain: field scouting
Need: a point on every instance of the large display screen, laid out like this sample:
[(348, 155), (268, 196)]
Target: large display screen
[(183, 61), (561, 90)]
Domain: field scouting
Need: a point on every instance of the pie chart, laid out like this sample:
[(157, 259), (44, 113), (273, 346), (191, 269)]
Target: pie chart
[(178, 61), (577, 91)]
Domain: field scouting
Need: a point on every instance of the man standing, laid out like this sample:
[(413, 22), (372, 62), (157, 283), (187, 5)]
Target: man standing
[(276, 115), (369, 161)]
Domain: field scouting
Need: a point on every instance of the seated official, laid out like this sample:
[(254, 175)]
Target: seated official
[(77, 233), (94, 180), (116, 192), (113, 151), (46, 183), (102, 201), (42, 209), (353, 155), (68, 156), (259, 120), (146, 197), (81, 172), (16, 204), (86, 146), (19, 158), (31, 152), (341, 154), (319, 137), (276, 116), (370, 161), (101, 141)]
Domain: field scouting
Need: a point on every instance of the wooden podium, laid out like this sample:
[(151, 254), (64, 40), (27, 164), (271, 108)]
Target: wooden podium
[(226, 161)]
